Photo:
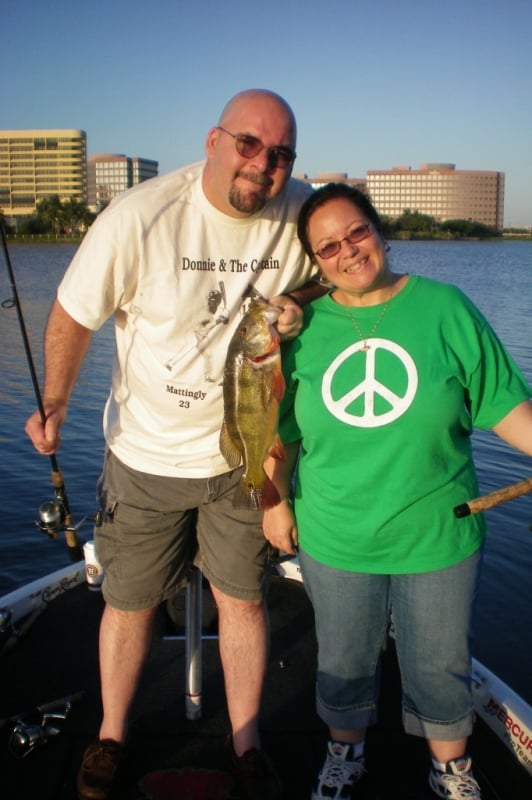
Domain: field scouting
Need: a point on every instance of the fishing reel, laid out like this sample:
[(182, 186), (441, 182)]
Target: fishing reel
[(26, 738), (52, 516), (28, 734)]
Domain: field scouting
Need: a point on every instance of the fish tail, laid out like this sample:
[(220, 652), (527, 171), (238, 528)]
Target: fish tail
[(256, 497)]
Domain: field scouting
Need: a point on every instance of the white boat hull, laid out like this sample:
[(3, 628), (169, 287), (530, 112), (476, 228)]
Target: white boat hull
[(35, 596), (505, 712)]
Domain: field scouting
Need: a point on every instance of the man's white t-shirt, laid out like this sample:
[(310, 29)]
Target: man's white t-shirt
[(175, 272)]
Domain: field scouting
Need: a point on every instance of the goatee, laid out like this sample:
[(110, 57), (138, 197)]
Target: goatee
[(250, 203)]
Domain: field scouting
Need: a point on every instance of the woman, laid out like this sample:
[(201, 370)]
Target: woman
[(384, 385)]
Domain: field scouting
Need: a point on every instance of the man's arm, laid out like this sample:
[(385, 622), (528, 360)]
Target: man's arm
[(307, 293), (65, 346)]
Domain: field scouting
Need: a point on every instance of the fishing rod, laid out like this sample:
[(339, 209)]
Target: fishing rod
[(53, 515), (494, 498)]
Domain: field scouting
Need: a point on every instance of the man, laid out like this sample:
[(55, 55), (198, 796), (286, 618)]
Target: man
[(153, 259)]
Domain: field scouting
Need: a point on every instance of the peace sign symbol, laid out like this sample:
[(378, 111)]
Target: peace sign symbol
[(370, 387)]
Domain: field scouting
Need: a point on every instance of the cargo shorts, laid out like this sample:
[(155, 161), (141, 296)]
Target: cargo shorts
[(153, 528)]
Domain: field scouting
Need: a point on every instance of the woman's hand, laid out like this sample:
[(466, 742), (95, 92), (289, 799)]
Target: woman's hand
[(280, 527)]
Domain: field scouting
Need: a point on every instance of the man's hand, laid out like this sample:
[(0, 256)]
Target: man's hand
[(290, 322), (46, 438)]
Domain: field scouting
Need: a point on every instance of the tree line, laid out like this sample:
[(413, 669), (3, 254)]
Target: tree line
[(414, 225), (56, 216), (72, 217)]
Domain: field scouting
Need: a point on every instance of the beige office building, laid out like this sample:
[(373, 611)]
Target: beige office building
[(440, 191), (35, 164)]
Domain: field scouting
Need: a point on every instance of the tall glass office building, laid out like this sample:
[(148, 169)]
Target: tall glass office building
[(109, 174)]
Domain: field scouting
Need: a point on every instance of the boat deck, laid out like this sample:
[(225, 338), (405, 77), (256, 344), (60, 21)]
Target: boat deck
[(58, 657)]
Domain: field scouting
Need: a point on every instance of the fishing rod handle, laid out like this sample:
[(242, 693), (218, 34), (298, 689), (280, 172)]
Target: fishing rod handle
[(61, 703), (494, 498), (71, 536)]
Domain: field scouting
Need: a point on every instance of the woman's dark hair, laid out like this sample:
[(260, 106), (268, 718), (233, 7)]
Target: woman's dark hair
[(332, 191)]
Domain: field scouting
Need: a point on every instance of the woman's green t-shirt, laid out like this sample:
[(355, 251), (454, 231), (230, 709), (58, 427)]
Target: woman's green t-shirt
[(385, 432)]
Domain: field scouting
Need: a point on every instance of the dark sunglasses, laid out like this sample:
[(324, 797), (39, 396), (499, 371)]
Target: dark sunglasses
[(249, 147), (353, 237)]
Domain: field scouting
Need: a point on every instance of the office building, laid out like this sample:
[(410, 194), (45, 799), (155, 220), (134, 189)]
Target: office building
[(440, 191), (35, 164), (108, 175), (143, 169)]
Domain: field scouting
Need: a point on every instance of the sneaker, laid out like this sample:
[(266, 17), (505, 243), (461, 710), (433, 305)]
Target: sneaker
[(255, 775), (339, 773), (98, 770), (457, 782)]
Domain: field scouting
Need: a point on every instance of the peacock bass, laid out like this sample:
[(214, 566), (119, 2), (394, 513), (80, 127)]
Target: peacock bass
[(253, 386)]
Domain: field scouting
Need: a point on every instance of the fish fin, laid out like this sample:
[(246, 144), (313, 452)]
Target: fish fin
[(229, 449), (270, 497), (278, 386), (271, 387), (256, 498), (277, 450)]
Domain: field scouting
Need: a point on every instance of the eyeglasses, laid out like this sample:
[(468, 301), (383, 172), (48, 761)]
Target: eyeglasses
[(249, 147), (353, 237)]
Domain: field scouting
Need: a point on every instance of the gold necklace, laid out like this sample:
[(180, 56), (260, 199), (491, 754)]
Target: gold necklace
[(378, 321)]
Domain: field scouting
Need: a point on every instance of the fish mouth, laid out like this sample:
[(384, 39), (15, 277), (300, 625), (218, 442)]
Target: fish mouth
[(357, 265)]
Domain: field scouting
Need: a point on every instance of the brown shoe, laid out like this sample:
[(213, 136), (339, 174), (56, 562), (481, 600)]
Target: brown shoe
[(255, 775), (98, 771)]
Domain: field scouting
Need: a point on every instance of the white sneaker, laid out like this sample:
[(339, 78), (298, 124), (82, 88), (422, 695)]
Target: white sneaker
[(339, 773), (457, 782)]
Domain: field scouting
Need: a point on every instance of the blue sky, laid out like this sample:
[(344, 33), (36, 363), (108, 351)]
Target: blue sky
[(373, 84)]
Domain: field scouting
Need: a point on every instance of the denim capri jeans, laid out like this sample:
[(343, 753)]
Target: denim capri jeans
[(431, 614)]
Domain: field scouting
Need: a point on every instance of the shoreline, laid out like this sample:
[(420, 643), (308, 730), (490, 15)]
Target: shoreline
[(78, 238)]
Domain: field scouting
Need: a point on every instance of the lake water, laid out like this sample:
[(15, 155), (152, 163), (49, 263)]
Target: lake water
[(497, 277)]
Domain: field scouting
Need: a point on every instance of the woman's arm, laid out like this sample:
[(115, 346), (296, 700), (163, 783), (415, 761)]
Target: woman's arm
[(279, 523), (516, 427)]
